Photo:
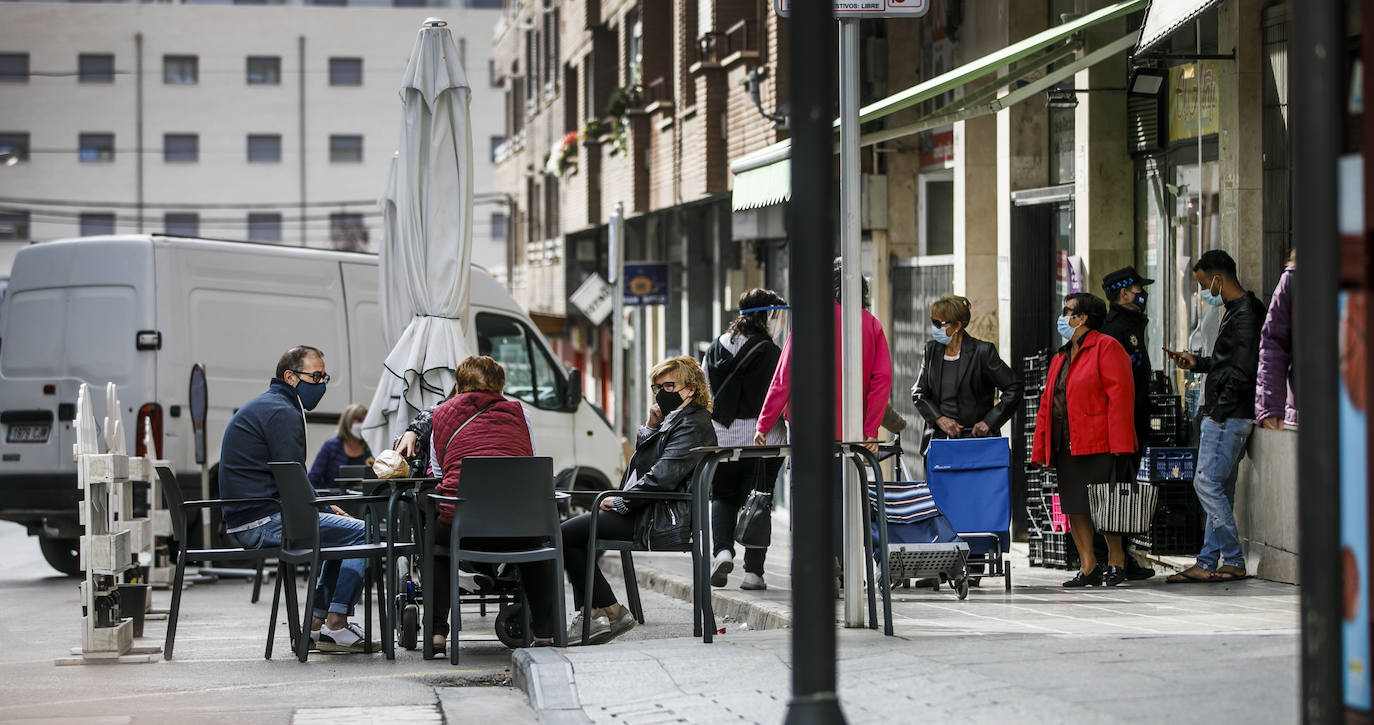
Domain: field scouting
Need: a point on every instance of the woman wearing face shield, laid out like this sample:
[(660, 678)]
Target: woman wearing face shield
[(961, 378), (345, 449), (739, 366)]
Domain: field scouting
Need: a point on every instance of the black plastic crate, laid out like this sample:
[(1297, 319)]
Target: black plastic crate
[(1178, 524), (1060, 552), (1164, 424), (1163, 464)]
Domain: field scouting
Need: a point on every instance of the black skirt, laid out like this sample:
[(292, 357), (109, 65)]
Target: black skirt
[(1075, 473)]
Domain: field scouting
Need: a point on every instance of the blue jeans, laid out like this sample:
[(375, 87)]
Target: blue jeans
[(1218, 463), (341, 582)]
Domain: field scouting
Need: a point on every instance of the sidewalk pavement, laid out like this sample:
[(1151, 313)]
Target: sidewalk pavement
[(1144, 651)]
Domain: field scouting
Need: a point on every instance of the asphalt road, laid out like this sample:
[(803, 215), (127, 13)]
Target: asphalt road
[(219, 674)]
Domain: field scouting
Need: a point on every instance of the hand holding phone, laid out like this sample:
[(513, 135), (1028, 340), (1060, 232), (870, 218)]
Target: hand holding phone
[(1184, 360)]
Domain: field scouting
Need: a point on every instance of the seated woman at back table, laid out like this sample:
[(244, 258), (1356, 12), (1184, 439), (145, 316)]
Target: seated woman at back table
[(345, 449), (679, 420), (477, 420)]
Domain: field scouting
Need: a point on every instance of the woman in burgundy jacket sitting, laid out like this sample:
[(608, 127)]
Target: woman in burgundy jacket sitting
[(477, 420), (1085, 425)]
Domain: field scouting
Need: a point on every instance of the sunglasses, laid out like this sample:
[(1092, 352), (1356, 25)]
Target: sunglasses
[(936, 323)]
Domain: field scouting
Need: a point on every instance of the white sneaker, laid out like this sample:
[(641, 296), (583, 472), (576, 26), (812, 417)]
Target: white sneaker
[(601, 626), (721, 567), (753, 581), (349, 639)]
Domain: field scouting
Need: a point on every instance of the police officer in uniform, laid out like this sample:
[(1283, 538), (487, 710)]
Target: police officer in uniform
[(1126, 323)]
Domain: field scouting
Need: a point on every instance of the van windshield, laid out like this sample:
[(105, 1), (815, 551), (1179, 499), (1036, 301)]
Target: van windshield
[(76, 332)]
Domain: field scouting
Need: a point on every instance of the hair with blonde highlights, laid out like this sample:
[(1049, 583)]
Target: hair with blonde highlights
[(479, 374), (355, 411), (952, 308), (688, 374)]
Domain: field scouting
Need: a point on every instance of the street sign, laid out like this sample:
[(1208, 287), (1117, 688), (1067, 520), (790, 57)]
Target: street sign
[(646, 283), (867, 8), (198, 398), (594, 298)]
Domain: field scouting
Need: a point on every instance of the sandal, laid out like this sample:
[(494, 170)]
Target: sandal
[(1193, 575), (1230, 573)]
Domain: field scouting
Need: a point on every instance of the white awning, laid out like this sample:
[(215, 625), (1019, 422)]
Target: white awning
[(764, 186), (1166, 16)]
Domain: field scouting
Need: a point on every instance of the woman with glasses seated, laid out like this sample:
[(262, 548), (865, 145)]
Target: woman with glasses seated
[(679, 420), (961, 378)]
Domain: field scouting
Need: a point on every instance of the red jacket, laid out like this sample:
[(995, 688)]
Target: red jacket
[(500, 431), (1100, 397)]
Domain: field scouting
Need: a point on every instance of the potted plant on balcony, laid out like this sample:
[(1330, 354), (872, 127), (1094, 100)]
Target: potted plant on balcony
[(593, 131), (567, 154)]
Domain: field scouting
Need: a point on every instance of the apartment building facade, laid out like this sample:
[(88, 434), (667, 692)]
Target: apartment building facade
[(265, 123)]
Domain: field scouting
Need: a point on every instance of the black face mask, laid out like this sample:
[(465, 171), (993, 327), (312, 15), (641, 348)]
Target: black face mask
[(668, 402)]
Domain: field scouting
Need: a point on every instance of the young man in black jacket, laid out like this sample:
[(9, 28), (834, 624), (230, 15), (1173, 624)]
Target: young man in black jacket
[(1126, 322), (1229, 411)]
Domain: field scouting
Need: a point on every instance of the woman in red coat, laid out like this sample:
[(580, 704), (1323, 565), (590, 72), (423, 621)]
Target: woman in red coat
[(1085, 421)]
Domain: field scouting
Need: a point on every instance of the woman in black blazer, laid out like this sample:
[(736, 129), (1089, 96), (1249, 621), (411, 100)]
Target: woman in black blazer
[(960, 377)]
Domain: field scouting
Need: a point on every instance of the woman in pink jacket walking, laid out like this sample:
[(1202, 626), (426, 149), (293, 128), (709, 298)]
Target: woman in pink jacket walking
[(877, 386)]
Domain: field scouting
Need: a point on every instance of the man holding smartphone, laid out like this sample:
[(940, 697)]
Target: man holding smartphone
[(1228, 414)]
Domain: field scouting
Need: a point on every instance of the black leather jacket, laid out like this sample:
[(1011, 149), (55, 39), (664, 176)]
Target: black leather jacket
[(981, 375), (664, 456), (1233, 366)]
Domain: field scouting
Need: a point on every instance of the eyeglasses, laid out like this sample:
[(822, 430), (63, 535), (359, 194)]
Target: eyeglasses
[(936, 323), (1070, 311), (667, 387), (317, 377)]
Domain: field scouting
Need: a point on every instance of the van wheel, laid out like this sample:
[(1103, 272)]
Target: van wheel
[(62, 554)]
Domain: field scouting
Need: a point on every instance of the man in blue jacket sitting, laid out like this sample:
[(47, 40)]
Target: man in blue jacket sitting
[(271, 427)]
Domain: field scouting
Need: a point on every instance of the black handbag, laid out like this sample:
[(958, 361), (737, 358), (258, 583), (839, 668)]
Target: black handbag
[(665, 526), (754, 530)]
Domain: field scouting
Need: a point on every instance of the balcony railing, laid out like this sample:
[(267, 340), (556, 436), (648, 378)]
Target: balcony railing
[(741, 37), (657, 91)]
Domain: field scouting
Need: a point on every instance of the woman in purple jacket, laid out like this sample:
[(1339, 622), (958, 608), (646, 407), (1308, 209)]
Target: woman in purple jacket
[(1274, 405)]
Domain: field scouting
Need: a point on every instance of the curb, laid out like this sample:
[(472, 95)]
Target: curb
[(546, 678), (741, 607)]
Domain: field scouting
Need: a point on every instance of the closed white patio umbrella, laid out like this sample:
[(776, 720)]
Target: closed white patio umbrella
[(425, 265)]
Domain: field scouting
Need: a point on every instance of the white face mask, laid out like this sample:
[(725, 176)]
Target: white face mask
[(356, 430)]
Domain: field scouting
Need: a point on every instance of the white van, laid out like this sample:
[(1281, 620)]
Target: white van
[(141, 310)]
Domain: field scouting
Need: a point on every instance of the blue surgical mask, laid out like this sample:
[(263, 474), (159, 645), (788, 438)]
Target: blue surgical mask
[(1211, 299), (940, 335), (310, 394), (1065, 331)]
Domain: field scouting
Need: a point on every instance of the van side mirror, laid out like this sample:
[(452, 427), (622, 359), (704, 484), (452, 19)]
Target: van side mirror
[(572, 396)]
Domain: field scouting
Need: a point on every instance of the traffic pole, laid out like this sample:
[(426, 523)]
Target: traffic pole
[(811, 219), (851, 315)]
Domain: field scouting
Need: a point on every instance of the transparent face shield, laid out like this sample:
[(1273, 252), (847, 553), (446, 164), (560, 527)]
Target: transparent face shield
[(779, 320)]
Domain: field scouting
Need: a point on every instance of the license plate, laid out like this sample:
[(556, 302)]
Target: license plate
[(28, 433)]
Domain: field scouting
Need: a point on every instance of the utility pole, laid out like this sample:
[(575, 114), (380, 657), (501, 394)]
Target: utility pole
[(811, 216), (616, 270)]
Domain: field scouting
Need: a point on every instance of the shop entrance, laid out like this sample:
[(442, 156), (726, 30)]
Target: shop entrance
[(1041, 240)]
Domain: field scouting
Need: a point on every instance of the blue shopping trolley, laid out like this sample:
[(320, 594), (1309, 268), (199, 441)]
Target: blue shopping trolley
[(970, 479)]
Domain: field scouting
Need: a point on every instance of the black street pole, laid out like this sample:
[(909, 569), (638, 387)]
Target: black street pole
[(811, 227), (1316, 54)]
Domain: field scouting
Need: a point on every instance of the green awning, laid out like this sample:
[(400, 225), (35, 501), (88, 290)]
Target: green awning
[(753, 190)]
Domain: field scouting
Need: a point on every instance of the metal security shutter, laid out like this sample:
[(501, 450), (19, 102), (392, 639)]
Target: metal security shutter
[(914, 288), (1145, 124)]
